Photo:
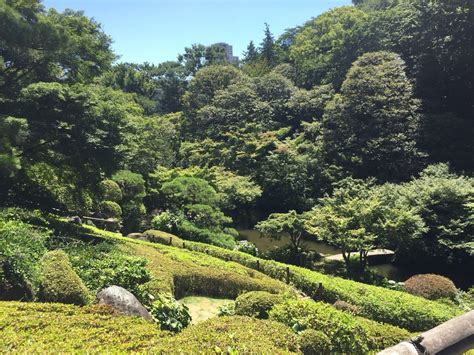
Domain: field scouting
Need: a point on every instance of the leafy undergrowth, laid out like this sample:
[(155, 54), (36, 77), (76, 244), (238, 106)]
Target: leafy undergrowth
[(203, 308), (49, 327)]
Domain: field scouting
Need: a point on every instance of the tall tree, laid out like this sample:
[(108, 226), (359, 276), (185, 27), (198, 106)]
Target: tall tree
[(371, 127), (251, 54), (267, 47)]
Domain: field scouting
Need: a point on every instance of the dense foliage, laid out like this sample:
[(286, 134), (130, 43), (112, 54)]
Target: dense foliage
[(256, 304)]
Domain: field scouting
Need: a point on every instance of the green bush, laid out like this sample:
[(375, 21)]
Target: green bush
[(102, 265), (21, 249), (245, 246), (430, 286), (227, 309), (256, 304), (232, 335), (169, 313), (110, 191), (59, 282), (110, 209), (314, 342), (347, 333)]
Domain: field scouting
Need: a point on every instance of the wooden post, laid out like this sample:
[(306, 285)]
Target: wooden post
[(207, 251), (287, 274), (184, 245), (258, 265), (171, 240)]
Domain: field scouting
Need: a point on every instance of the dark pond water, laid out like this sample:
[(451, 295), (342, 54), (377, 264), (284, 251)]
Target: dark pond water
[(263, 244)]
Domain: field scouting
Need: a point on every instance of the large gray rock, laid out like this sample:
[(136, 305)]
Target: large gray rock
[(123, 301)]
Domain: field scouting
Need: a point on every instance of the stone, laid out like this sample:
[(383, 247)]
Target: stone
[(123, 301)]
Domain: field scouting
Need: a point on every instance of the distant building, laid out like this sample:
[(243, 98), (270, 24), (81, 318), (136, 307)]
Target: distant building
[(228, 52)]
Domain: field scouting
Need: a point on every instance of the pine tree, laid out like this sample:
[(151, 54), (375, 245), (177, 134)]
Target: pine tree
[(267, 47), (250, 54)]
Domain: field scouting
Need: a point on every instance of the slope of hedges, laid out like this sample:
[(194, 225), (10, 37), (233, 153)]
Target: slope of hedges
[(377, 303)]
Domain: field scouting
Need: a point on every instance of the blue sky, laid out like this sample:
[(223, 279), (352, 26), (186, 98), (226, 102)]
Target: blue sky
[(157, 30)]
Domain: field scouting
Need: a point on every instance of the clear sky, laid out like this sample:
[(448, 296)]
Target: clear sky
[(157, 30)]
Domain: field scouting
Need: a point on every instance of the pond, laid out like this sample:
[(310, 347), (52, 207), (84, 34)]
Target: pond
[(264, 244)]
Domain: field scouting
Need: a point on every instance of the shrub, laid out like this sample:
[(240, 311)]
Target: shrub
[(233, 335), (59, 282), (245, 246), (430, 286), (21, 248), (346, 307), (256, 304), (314, 342), (347, 333), (227, 309), (110, 209), (102, 265), (169, 313), (110, 191)]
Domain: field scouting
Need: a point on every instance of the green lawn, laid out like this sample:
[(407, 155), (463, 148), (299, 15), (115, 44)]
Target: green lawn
[(203, 308)]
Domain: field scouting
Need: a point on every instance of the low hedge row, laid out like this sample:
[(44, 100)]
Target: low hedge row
[(377, 303), (232, 335), (347, 333)]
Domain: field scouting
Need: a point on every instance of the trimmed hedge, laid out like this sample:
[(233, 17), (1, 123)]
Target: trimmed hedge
[(59, 282), (256, 304), (430, 286), (314, 342), (40, 328), (380, 304), (185, 273), (232, 335), (348, 334)]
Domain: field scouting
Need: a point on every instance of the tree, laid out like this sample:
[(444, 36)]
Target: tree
[(357, 218), (251, 54), (132, 186), (371, 127), (267, 47), (278, 224), (325, 47), (200, 56), (443, 200)]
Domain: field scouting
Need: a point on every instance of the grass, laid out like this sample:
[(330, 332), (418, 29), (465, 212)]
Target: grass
[(203, 308)]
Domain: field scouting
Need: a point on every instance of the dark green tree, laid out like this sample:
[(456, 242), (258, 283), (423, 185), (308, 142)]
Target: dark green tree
[(371, 127)]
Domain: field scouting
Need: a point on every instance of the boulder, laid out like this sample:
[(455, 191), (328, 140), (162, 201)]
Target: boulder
[(123, 301)]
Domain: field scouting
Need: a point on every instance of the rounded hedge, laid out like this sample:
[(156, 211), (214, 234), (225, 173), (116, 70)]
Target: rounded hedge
[(348, 333), (110, 209), (110, 191), (430, 286), (314, 342), (256, 304), (236, 334), (59, 282)]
